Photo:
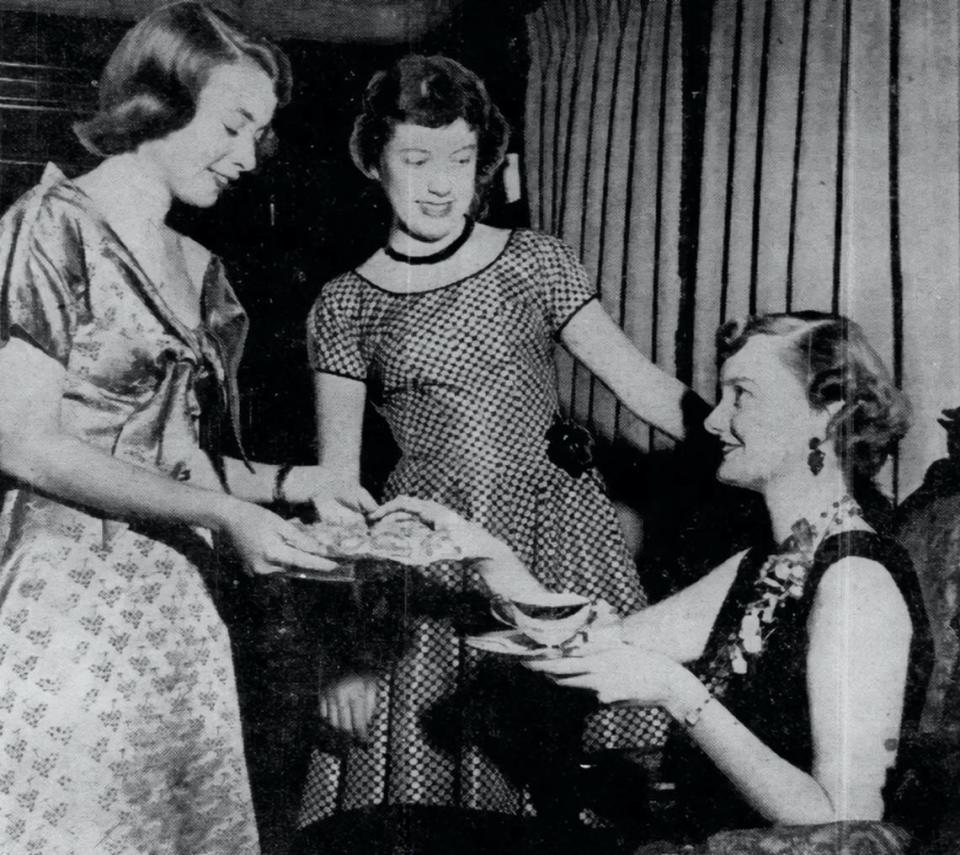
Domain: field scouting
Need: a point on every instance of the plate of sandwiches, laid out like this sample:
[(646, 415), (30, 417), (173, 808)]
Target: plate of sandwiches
[(400, 538)]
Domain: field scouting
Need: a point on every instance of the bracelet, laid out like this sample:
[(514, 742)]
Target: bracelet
[(691, 719), (279, 494)]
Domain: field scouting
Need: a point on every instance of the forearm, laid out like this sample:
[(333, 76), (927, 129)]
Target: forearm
[(264, 483), (680, 625), (74, 471), (652, 629), (339, 411), (646, 390), (656, 397), (506, 576), (339, 454), (778, 790), (253, 483)]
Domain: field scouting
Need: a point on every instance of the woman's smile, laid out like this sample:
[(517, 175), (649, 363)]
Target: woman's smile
[(436, 210)]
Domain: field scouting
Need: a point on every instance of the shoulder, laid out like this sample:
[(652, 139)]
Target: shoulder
[(344, 285), (46, 227), (859, 593), (45, 210), (861, 554), (857, 574), (556, 261), (340, 295), (542, 244), (550, 265)]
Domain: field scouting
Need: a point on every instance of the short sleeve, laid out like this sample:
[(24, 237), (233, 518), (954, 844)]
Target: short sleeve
[(567, 286), (333, 333), (41, 278)]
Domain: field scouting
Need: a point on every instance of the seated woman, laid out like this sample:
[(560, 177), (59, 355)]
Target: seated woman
[(795, 670)]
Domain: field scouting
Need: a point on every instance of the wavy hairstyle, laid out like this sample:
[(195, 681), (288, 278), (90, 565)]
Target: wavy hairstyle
[(431, 91), (831, 357), (150, 85)]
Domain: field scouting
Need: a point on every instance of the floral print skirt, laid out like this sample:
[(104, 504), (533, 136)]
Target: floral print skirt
[(119, 726)]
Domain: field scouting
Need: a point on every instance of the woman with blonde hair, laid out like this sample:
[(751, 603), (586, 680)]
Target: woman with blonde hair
[(797, 669), (120, 342)]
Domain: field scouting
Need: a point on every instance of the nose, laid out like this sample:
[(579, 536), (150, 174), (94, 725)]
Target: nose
[(714, 422), (245, 153), (439, 182)]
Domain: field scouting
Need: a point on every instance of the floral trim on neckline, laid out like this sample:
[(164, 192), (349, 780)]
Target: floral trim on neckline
[(782, 578)]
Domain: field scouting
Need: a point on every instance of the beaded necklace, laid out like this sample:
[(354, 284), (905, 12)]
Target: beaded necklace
[(782, 577)]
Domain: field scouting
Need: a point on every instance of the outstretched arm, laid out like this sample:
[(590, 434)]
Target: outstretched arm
[(856, 665), (36, 450), (504, 574), (647, 391), (257, 482), (680, 625)]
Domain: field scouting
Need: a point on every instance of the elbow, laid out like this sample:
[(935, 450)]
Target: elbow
[(824, 810), (806, 815)]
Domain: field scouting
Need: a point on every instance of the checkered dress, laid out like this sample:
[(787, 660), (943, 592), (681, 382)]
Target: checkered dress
[(464, 375)]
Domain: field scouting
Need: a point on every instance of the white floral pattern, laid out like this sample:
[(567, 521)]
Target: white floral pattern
[(119, 727)]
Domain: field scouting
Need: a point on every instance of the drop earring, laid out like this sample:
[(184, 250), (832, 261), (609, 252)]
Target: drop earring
[(815, 457)]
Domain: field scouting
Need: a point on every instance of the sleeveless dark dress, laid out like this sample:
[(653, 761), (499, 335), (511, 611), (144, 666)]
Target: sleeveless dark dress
[(771, 699)]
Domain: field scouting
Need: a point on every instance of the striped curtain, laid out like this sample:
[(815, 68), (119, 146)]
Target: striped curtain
[(603, 156), (830, 163)]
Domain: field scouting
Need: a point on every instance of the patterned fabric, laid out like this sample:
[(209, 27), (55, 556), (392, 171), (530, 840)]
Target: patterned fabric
[(464, 375), (834, 838), (119, 727), (777, 682)]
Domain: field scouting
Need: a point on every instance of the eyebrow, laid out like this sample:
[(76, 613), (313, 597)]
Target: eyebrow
[(420, 150), (249, 117), (731, 381)]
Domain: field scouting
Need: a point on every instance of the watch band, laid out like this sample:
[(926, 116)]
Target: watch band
[(279, 479)]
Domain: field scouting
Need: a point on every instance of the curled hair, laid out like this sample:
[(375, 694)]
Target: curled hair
[(832, 359), (431, 91), (150, 85)]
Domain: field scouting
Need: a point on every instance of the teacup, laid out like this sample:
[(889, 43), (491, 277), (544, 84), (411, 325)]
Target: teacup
[(549, 619)]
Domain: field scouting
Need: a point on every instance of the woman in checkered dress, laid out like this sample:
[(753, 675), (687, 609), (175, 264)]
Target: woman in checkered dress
[(449, 332)]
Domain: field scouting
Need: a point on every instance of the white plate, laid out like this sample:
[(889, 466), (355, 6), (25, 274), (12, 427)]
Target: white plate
[(509, 642)]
